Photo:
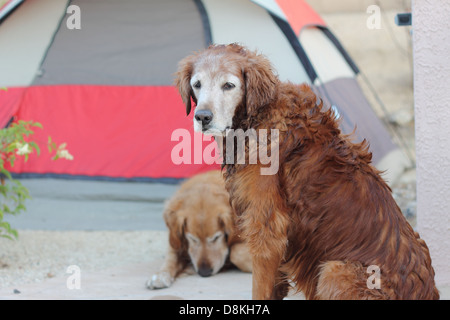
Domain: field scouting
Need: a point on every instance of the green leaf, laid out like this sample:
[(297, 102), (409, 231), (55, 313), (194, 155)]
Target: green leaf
[(6, 236), (11, 234), (37, 124), (11, 160), (20, 207), (15, 233), (9, 231), (36, 147), (6, 173)]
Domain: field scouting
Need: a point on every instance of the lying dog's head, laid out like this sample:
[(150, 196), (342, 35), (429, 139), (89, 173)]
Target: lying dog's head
[(207, 241), (221, 78), (200, 222)]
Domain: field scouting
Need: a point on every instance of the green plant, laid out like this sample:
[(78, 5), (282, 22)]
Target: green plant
[(14, 143)]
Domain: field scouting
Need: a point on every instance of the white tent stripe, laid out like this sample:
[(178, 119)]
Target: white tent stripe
[(271, 6), (315, 42), (24, 38), (8, 7)]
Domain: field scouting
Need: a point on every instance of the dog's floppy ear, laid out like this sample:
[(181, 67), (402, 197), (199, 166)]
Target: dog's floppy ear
[(176, 224), (182, 81), (227, 223), (260, 82)]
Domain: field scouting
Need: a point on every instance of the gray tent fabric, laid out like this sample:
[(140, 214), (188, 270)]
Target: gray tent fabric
[(123, 43), (24, 38), (352, 107)]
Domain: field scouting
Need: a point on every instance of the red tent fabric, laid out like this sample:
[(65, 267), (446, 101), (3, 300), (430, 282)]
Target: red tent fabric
[(299, 14), (124, 132), (10, 100)]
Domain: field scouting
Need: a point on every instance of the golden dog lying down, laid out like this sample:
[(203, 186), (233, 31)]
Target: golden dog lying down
[(201, 231)]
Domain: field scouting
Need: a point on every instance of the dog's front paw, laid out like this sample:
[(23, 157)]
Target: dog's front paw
[(160, 280)]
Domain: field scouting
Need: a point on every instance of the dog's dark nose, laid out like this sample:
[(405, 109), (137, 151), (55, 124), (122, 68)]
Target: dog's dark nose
[(203, 116), (205, 270)]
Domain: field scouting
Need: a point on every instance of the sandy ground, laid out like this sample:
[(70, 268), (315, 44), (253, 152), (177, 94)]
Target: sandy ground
[(112, 265), (116, 264)]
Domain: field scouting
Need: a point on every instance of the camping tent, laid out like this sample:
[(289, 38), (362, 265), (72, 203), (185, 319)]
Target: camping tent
[(103, 84)]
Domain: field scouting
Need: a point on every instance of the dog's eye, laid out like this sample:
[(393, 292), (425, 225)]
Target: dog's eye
[(197, 84), (193, 239), (215, 237), (228, 86)]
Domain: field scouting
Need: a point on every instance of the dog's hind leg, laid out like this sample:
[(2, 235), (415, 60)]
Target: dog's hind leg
[(347, 280)]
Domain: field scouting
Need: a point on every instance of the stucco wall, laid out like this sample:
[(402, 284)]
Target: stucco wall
[(431, 51)]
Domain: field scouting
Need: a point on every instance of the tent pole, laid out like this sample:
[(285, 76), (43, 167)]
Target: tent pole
[(398, 135)]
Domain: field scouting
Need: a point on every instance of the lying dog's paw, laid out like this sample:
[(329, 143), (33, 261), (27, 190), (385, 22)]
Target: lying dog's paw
[(160, 280)]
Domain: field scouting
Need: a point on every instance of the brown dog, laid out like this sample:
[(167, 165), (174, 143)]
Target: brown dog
[(201, 231), (325, 219)]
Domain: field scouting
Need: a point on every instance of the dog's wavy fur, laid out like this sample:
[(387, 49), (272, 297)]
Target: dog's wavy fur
[(327, 215)]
